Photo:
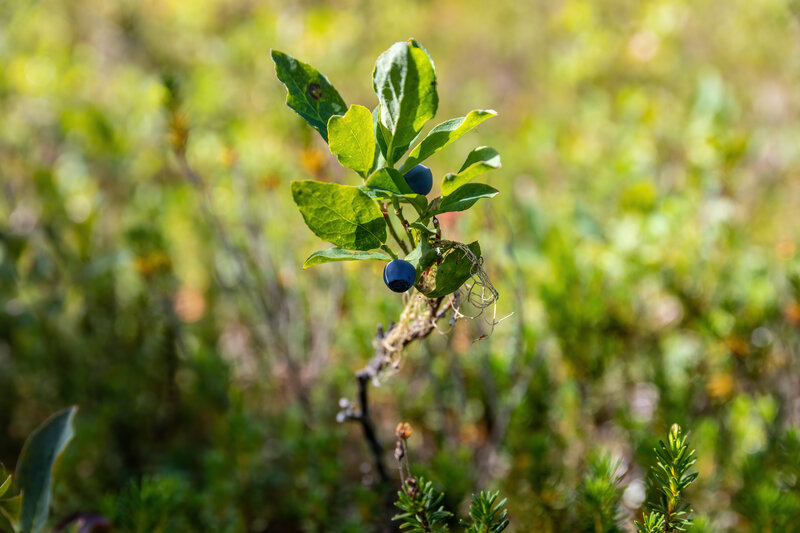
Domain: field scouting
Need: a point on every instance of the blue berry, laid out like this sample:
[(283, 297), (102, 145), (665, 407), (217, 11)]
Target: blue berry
[(399, 275), (419, 179)]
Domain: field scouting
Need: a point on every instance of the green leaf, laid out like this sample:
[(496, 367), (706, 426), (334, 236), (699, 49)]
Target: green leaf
[(34, 469), (444, 134), (340, 214), (6, 524), (417, 201), (12, 507), (5, 486), (338, 254), (422, 228), (10, 510), (465, 196), (311, 95), (480, 160), (405, 81), (454, 271), (422, 256), (389, 183), (379, 160), (352, 140), (389, 179)]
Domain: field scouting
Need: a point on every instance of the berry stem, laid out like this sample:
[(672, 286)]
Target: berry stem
[(392, 230), (389, 251), (398, 211)]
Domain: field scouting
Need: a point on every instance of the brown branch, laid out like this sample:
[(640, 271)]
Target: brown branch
[(399, 214), (392, 230), (373, 370), (370, 432)]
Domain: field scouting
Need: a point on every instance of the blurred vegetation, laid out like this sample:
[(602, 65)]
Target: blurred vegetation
[(645, 240)]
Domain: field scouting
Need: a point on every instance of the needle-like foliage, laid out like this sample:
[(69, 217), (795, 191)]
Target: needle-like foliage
[(486, 514), (421, 506), (598, 502), (669, 511)]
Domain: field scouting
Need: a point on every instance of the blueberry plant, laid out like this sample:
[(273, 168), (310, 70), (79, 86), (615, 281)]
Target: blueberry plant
[(359, 219), (384, 213)]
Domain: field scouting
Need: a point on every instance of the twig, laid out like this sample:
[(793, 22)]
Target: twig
[(392, 230), (373, 369), (398, 211), (368, 426)]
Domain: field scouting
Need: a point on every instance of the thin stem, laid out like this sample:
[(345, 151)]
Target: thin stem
[(438, 308), (370, 434), (392, 230), (389, 251), (399, 214)]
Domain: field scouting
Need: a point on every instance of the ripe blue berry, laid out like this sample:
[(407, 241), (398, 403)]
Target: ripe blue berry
[(399, 275), (419, 179)]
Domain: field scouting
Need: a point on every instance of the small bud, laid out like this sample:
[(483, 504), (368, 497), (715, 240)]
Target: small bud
[(344, 403), (412, 489), (403, 430), (398, 451)]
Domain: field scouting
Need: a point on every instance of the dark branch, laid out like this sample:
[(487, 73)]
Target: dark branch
[(375, 367)]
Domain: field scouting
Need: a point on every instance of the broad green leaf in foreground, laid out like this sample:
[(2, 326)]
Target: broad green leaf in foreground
[(454, 271), (340, 214), (34, 469), (311, 95), (465, 196), (405, 81), (444, 134), (480, 160), (352, 140), (338, 254)]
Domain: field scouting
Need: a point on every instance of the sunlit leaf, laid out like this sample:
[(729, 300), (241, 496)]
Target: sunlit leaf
[(351, 139), (465, 196), (480, 160), (444, 134), (405, 81), (311, 95), (338, 254), (340, 214)]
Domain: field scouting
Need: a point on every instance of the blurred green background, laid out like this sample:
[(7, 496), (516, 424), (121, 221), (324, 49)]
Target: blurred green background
[(645, 240)]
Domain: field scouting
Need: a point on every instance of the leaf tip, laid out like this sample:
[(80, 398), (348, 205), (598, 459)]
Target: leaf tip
[(276, 54)]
